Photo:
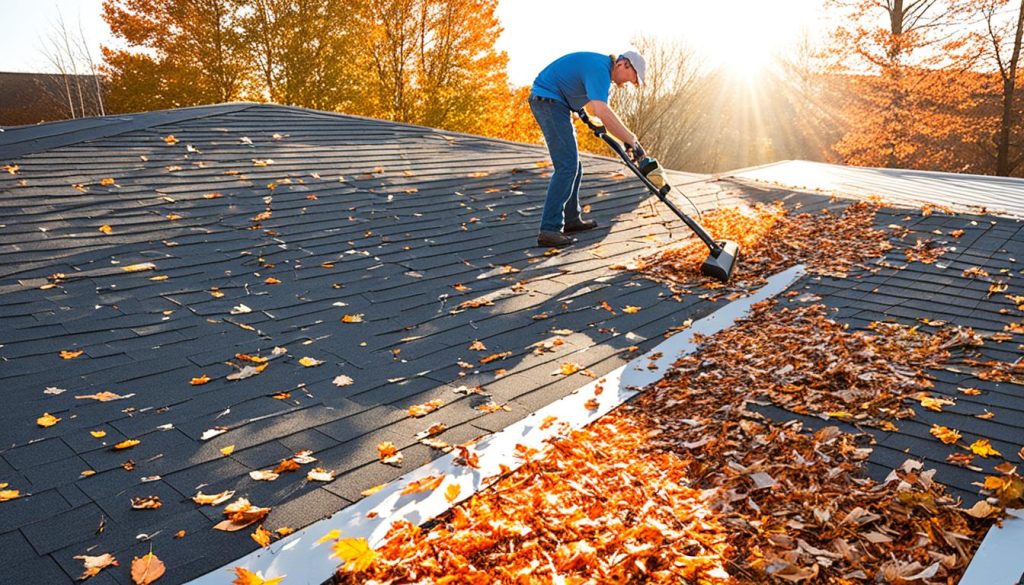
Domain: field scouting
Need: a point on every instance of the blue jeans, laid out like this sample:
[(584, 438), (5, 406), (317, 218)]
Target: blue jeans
[(562, 203)]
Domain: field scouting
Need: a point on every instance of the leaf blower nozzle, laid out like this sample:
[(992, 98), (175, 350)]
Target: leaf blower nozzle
[(653, 171)]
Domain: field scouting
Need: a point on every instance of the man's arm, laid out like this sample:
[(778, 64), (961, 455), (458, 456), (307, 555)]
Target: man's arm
[(611, 122)]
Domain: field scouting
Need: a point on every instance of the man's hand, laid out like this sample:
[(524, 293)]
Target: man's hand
[(636, 152)]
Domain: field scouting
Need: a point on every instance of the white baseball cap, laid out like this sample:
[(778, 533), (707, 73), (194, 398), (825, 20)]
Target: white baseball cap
[(638, 62)]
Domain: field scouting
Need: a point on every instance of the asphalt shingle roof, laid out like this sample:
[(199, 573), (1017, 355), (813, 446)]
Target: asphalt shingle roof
[(352, 216)]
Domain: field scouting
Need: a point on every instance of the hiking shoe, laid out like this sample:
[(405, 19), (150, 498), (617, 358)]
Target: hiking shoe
[(580, 225), (553, 240)]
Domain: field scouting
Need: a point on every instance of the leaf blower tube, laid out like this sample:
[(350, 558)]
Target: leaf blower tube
[(722, 259)]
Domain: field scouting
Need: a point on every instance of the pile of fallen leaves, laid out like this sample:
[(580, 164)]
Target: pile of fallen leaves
[(772, 239), (588, 511), (689, 484), (807, 363)]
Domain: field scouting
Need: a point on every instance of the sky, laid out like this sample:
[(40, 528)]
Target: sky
[(742, 33)]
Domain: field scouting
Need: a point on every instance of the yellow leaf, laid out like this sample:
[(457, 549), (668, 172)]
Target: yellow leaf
[(107, 181), (8, 495), (984, 448), (70, 355), (452, 493), (262, 536), (355, 552), (945, 434), (126, 444), (358, 318), (372, 490), (569, 368), (272, 280), (200, 380), (246, 577), (310, 362), (173, 217), (329, 536), (106, 229), (630, 309), (47, 420), (170, 139), (227, 450), (139, 267), (98, 434), (934, 403), (147, 569)]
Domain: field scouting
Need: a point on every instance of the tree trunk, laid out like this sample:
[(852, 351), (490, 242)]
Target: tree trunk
[(1009, 85)]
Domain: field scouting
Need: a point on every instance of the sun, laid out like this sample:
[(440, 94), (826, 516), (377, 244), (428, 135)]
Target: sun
[(744, 36)]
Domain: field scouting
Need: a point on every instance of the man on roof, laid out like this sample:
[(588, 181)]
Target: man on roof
[(563, 87)]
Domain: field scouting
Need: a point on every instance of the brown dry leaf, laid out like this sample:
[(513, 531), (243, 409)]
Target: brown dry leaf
[(342, 381), (100, 396), (241, 513), (370, 491), (477, 346), (461, 287), (147, 503), (70, 354), (263, 475), (320, 474), (262, 536), (418, 410), (93, 565), (98, 434), (126, 444), (467, 457), (47, 420), (357, 318), (170, 139), (425, 484), (106, 182), (287, 465), (200, 380), (180, 534), (970, 391), (389, 453), (495, 357), (246, 577), (106, 229), (493, 407), (147, 569), (212, 499), (983, 509)]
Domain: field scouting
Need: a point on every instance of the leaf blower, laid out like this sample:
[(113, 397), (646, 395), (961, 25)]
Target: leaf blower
[(723, 253)]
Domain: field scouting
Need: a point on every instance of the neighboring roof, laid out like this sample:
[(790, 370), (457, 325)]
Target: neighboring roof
[(353, 217), (955, 190), (31, 98)]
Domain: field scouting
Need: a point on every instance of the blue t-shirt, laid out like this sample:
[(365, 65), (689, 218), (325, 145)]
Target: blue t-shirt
[(575, 79)]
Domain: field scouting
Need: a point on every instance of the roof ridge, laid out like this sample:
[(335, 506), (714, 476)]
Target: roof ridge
[(23, 140)]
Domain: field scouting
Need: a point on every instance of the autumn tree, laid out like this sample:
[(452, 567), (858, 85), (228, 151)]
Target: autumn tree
[(431, 62), (303, 50), (900, 53), (180, 53)]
